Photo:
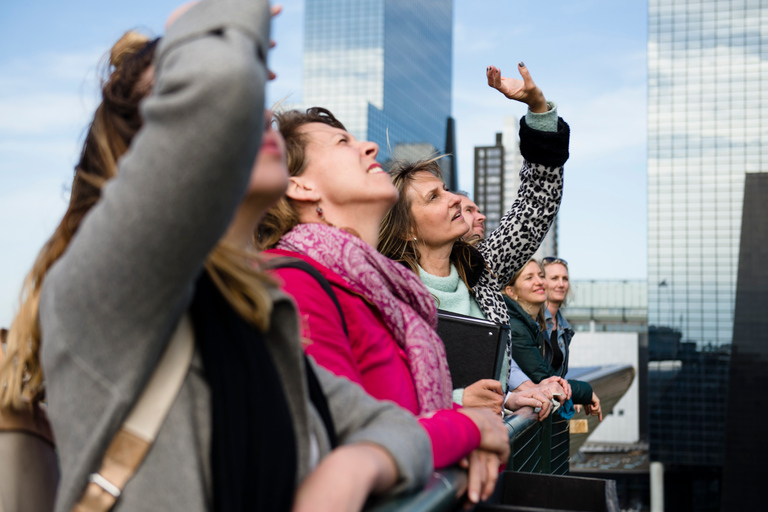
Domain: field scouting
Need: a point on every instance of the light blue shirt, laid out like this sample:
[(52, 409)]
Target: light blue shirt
[(562, 325), (516, 375)]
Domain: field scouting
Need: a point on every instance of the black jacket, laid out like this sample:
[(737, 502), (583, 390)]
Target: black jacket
[(533, 352)]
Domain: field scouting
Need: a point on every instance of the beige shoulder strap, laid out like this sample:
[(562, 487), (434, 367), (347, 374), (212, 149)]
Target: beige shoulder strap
[(132, 442)]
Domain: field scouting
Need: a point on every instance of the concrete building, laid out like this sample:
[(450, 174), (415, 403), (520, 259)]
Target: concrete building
[(608, 305), (745, 449), (610, 318), (593, 348), (489, 182)]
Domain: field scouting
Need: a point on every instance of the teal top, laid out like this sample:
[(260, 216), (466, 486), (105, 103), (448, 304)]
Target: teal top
[(546, 121), (451, 293)]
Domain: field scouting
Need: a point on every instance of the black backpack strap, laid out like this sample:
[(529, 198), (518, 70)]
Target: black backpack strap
[(316, 394), (288, 262), (318, 399)]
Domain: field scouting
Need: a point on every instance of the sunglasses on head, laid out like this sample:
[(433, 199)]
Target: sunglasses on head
[(553, 259)]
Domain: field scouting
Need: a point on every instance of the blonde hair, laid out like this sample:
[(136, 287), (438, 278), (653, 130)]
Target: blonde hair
[(396, 239), (115, 123), (544, 264)]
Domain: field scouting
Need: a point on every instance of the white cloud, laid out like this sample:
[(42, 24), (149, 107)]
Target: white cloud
[(47, 93), (52, 70), (46, 101), (42, 113)]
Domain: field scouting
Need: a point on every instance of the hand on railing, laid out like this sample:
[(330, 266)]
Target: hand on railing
[(483, 463), (561, 382), (484, 393), (534, 397), (343, 480), (593, 408)]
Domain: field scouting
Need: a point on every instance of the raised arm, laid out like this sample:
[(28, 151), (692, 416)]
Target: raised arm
[(128, 272), (544, 146)]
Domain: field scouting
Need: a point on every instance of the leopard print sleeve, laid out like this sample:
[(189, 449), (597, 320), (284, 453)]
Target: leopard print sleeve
[(524, 226)]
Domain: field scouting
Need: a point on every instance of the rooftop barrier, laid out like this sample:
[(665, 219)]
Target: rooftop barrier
[(530, 442), (538, 449)]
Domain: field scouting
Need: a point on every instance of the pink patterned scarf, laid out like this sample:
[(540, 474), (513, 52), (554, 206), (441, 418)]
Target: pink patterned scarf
[(404, 303)]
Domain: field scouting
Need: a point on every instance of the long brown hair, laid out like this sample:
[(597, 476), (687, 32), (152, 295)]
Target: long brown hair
[(395, 233), (115, 123), (540, 319), (283, 217)]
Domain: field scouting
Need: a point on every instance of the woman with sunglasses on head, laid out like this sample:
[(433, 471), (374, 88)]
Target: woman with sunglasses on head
[(177, 167), (424, 231), (558, 330)]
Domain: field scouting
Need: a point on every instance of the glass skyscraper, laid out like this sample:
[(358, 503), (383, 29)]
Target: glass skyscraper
[(707, 127), (384, 68)]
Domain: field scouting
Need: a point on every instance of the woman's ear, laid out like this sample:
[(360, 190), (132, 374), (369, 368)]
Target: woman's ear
[(300, 190), (509, 291)]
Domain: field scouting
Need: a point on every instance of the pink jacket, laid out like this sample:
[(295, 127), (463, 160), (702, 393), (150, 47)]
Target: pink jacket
[(369, 356)]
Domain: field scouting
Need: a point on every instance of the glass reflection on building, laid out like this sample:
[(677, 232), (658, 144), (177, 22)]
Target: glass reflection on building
[(384, 69), (707, 127)]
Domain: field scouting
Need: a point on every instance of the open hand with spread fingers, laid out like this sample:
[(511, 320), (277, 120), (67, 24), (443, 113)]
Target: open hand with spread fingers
[(525, 90)]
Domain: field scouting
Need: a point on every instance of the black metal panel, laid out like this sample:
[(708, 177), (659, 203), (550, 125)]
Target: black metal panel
[(746, 451)]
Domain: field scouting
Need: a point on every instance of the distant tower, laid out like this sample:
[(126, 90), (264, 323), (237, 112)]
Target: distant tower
[(384, 68), (497, 179), (489, 182)]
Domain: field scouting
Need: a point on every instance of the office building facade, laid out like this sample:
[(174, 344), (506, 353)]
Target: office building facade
[(707, 128), (384, 68), (489, 182)]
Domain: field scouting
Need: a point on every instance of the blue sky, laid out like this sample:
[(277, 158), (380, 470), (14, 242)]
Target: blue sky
[(588, 56)]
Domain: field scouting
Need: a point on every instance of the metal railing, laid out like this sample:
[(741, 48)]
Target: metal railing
[(531, 446)]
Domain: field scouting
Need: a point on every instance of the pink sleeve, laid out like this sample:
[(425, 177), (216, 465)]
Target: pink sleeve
[(321, 324), (453, 436)]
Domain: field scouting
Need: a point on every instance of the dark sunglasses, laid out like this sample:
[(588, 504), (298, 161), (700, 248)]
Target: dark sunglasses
[(553, 259)]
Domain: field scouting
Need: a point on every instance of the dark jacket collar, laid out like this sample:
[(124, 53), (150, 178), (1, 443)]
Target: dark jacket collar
[(518, 313)]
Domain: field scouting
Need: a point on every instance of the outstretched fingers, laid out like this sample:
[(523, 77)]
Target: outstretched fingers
[(527, 80)]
